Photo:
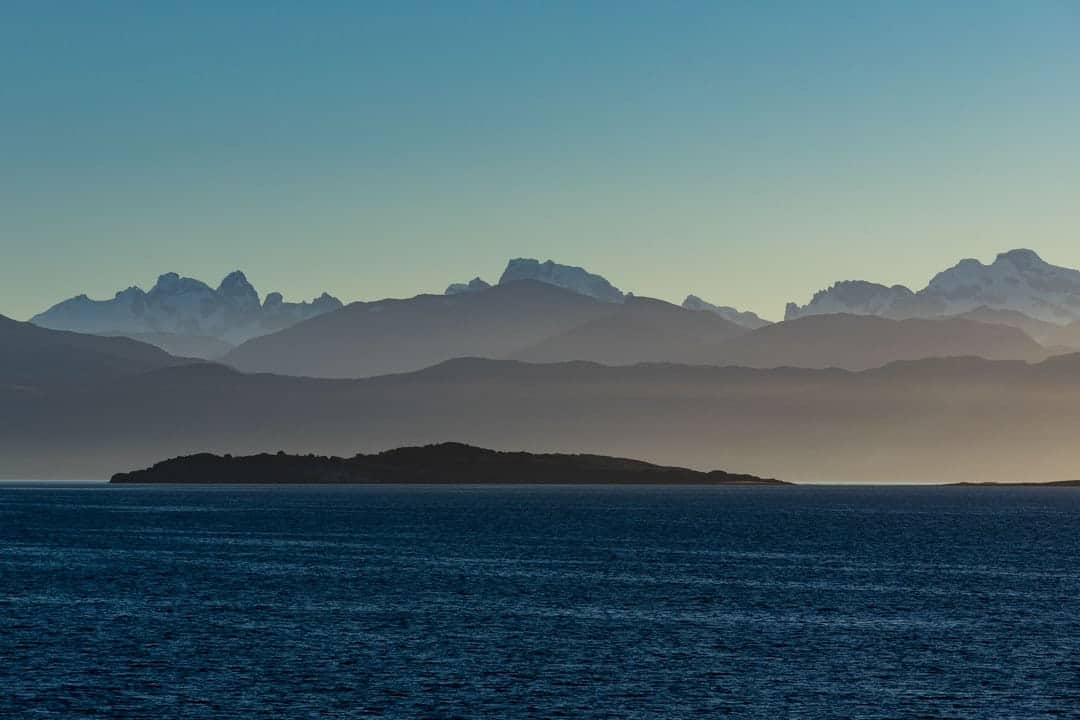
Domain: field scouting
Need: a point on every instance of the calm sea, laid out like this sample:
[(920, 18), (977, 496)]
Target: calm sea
[(527, 602)]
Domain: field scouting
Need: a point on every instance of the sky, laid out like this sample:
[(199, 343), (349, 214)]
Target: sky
[(747, 152)]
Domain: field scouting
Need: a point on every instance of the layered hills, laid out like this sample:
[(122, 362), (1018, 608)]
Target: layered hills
[(933, 420), (34, 358), (537, 364), (537, 322)]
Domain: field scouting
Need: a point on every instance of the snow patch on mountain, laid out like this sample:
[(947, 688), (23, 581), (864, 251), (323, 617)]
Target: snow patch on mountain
[(1017, 280)]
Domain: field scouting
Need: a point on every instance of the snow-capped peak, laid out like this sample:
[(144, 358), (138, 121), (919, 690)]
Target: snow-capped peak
[(1016, 280), (569, 277), (185, 306)]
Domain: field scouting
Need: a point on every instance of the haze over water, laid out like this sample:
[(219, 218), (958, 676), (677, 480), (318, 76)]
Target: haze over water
[(520, 602)]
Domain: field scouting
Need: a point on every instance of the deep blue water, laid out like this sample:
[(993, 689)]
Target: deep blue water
[(517, 602)]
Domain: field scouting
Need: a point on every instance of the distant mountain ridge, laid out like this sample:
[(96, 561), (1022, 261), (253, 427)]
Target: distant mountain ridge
[(535, 321), (636, 331), (550, 312), (862, 342), (183, 306), (568, 277), (391, 336), (739, 317), (1017, 280), (186, 316)]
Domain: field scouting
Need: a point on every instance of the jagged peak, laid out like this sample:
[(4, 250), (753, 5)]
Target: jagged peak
[(236, 277), (745, 318), (276, 300), (186, 306), (170, 283), (1020, 257), (326, 300), (474, 285), (1017, 279), (569, 277), (857, 296), (133, 291), (236, 283), (867, 284), (862, 289)]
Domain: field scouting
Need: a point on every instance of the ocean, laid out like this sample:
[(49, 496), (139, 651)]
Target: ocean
[(539, 602)]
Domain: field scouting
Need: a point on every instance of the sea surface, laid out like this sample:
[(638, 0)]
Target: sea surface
[(539, 602)]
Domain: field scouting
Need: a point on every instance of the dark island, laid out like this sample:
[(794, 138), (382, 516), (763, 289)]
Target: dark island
[(446, 463)]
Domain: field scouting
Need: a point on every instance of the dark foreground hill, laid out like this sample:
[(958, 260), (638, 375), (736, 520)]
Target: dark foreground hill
[(449, 463)]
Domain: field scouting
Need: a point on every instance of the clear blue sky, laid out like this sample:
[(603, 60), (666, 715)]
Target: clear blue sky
[(748, 152)]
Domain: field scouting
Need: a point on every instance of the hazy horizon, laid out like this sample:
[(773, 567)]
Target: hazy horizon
[(745, 154)]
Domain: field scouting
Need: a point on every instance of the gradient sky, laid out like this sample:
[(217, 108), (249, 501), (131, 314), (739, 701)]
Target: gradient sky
[(748, 152)]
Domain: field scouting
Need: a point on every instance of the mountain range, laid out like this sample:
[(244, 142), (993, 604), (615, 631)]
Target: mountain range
[(536, 322), (523, 319), (548, 312), (184, 314), (739, 317), (583, 282), (555, 358), (35, 358), (1017, 281)]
